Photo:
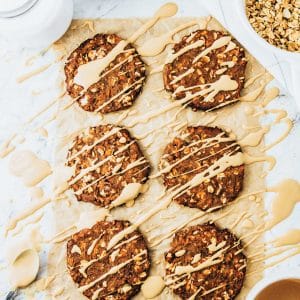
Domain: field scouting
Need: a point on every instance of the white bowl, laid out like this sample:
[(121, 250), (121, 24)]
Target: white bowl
[(265, 282), (292, 58)]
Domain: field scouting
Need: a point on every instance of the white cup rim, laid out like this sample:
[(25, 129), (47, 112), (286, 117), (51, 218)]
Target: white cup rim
[(265, 282)]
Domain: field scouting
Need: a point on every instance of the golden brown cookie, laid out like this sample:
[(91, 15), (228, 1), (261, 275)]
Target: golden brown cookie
[(106, 159), (192, 153), (120, 82), (108, 274), (206, 262), (184, 76)]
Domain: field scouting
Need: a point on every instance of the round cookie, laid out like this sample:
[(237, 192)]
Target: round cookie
[(184, 76), (106, 160), (206, 262), (102, 274), (119, 84), (192, 153)]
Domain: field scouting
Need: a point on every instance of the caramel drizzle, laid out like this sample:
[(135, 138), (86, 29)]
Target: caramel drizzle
[(86, 148), (33, 73), (134, 164), (193, 218), (99, 164), (113, 270), (89, 73), (222, 41), (289, 124), (7, 147), (156, 45), (84, 265), (224, 83)]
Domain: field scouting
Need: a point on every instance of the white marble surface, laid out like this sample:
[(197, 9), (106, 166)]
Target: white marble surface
[(17, 104)]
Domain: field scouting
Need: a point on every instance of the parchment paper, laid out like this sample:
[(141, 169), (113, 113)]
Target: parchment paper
[(66, 212)]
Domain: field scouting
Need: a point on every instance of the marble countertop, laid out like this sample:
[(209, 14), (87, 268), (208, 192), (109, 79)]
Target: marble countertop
[(19, 101)]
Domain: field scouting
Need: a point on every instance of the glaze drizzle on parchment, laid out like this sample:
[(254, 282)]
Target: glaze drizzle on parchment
[(165, 203)]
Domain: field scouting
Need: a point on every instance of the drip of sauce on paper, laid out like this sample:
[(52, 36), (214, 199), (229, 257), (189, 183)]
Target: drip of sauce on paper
[(288, 194), (254, 138), (86, 220), (287, 289), (252, 79), (32, 73), (156, 45), (224, 83), (26, 165), (153, 286), (89, 73), (89, 218), (26, 213), (129, 192), (289, 127), (36, 192), (24, 269), (270, 95), (22, 258), (291, 237)]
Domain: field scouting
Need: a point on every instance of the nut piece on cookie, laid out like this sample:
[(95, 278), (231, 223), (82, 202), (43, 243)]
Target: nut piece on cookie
[(212, 265), (192, 153), (108, 274), (198, 61), (109, 167), (120, 82)]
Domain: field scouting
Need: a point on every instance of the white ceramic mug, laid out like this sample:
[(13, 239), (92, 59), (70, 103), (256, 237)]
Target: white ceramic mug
[(270, 279), (34, 23)]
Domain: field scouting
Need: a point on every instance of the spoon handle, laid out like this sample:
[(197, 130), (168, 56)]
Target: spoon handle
[(12, 295)]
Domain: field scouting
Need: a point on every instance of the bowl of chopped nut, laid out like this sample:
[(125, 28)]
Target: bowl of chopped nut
[(275, 25), (276, 22)]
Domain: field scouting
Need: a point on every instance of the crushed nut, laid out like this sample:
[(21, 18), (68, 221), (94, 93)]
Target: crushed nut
[(277, 21)]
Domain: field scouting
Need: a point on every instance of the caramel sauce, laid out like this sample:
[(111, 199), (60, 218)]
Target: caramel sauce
[(288, 289)]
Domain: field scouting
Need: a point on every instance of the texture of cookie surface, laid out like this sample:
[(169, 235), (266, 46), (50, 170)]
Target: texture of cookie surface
[(205, 262), (207, 69), (107, 161), (192, 153), (120, 82), (108, 274)]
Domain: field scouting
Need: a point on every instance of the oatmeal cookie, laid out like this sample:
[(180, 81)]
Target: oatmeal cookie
[(108, 274), (184, 76), (206, 262), (106, 159), (119, 84), (192, 153)]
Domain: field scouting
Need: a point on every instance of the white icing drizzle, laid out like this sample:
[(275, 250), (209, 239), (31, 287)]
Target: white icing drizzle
[(222, 41), (182, 75), (224, 83), (230, 46), (100, 163), (89, 73), (187, 48), (75, 249), (156, 45), (216, 258), (113, 270), (152, 287), (114, 254), (85, 148), (136, 163), (180, 253), (129, 192), (122, 93)]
